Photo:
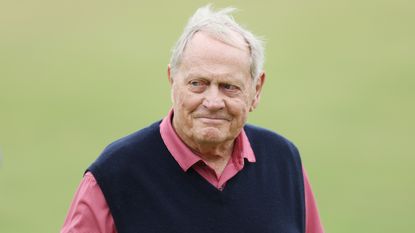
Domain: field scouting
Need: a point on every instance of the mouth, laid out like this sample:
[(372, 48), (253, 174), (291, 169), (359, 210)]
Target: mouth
[(212, 119)]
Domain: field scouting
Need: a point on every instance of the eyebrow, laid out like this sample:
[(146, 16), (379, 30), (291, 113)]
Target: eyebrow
[(222, 78)]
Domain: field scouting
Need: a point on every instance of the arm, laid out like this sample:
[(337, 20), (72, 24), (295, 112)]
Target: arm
[(313, 222), (89, 211)]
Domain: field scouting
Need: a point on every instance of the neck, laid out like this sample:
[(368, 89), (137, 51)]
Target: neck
[(215, 156), (210, 152)]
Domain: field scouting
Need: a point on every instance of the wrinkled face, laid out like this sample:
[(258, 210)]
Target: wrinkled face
[(212, 91)]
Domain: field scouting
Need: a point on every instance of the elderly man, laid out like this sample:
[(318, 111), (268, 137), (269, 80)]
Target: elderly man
[(201, 169)]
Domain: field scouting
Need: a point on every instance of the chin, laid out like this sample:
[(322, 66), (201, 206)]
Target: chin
[(210, 135)]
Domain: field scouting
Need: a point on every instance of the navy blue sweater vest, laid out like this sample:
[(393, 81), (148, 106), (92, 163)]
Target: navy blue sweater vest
[(148, 192)]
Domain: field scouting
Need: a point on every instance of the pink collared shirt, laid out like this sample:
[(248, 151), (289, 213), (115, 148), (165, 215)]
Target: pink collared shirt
[(90, 213)]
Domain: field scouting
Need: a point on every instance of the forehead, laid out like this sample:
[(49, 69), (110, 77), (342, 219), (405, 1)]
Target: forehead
[(205, 54)]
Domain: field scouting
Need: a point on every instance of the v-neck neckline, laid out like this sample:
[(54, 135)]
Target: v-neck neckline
[(202, 185), (205, 183)]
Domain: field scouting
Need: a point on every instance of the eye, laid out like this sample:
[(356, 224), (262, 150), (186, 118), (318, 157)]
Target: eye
[(230, 87), (197, 85)]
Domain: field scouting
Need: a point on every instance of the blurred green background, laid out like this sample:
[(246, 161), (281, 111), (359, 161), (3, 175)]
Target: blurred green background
[(76, 75)]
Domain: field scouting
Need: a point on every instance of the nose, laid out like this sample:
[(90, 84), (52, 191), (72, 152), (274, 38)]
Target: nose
[(213, 101)]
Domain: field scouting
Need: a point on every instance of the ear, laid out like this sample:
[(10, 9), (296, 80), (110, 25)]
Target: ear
[(258, 88), (169, 77)]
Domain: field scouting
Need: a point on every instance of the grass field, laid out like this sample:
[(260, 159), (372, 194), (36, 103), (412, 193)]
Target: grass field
[(76, 75)]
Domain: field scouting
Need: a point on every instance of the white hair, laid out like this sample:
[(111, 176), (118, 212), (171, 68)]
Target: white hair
[(222, 26)]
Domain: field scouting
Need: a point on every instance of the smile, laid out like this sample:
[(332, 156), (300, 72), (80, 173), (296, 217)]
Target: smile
[(212, 120)]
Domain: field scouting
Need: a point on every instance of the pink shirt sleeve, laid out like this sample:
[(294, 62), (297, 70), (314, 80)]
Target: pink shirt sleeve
[(89, 211), (313, 223)]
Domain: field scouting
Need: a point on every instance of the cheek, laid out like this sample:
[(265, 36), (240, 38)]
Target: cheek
[(239, 109), (185, 102)]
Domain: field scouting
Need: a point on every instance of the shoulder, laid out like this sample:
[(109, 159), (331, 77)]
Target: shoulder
[(263, 136), (123, 149), (272, 147)]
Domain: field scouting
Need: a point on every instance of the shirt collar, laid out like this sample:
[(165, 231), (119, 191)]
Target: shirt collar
[(186, 158)]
